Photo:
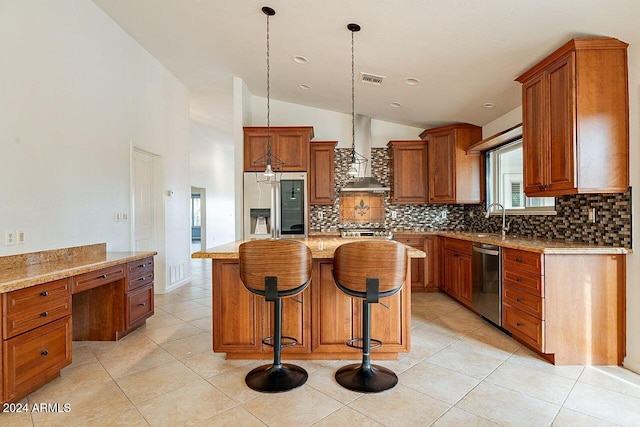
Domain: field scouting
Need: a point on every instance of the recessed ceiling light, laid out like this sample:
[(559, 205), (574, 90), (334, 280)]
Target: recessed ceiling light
[(395, 104), (300, 59), (488, 105), (304, 86), (412, 81)]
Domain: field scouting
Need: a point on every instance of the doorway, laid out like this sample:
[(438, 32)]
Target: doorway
[(198, 219)]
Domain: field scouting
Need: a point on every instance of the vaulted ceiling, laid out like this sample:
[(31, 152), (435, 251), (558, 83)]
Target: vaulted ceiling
[(464, 53)]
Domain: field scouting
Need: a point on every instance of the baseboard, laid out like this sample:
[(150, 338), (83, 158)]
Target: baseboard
[(176, 285), (632, 365)]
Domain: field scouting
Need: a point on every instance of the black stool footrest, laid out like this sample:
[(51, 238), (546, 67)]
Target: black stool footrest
[(357, 343), (285, 342)]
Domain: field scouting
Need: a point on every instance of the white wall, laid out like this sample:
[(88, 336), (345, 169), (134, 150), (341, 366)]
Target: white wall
[(211, 160), (327, 125), (76, 92), (512, 118)]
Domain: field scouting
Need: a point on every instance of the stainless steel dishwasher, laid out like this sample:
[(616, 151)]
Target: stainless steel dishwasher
[(486, 290)]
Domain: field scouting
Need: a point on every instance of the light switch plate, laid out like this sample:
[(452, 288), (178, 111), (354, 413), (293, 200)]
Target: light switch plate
[(20, 238)]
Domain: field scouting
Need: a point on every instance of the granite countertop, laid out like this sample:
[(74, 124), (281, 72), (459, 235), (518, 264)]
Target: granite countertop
[(546, 246), (321, 248), (25, 270)]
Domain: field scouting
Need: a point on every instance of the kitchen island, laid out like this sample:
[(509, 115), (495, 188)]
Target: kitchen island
[(321, 318)]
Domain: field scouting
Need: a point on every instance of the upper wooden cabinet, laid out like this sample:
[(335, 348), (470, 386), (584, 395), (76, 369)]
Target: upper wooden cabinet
[(322, 172), (289, 144), (409, 183), (576, 120), (454, 175)]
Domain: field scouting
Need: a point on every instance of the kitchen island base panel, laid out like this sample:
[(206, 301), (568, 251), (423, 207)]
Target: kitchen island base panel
[(323, 323)]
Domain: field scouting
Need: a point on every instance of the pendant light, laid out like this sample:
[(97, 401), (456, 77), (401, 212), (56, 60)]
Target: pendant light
[(357, 160), (272, 165)]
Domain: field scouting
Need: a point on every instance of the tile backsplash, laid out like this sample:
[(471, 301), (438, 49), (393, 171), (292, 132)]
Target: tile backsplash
[(612, 225)]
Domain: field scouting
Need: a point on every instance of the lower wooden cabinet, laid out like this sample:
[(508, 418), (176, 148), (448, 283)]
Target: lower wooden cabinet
[(457, 280), (417, 264), (322, 319), (35, 357)]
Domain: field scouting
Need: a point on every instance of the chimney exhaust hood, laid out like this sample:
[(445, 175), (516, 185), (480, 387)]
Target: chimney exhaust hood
[(364, 182)]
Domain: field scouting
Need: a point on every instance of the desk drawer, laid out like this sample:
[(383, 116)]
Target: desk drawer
[(139, 267), (35, 357), (140, 280), (139, 305), (523, 326), (83, 282), (524, 301), (35, 296), (23, 321), (457, 245)]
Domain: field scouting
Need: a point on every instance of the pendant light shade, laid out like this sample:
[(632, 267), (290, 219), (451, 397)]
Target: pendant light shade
[(357, 161), (271, 164)]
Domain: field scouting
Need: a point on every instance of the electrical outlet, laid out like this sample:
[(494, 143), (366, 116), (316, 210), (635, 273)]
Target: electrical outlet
[(20, 237), (9, 237), (320, 215), (443, 215), (592, 215), (394, 214)]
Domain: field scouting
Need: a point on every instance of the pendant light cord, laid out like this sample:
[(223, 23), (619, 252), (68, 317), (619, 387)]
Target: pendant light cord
[(353, 100), (268, 99)]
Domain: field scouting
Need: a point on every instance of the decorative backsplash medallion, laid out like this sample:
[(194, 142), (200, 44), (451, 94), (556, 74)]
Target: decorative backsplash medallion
[(362, 208), (612, 225)]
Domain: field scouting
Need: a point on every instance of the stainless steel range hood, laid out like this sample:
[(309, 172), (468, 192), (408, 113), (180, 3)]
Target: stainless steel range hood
[(365, 182)]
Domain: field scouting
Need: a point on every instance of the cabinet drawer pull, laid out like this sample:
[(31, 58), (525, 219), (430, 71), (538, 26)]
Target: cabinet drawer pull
[(44, 294), (541, 187), (44, 314), (44, 352), (141, 279), (518, 279), (518, 299), (142, 304), (518, 259), (104, 276), (518, 324), (142, 265)]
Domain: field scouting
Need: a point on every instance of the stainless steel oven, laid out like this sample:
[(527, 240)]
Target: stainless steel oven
[(275, 209), (486, 290)]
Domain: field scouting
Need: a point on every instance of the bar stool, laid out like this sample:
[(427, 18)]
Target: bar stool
[(368, 270), (275, 269)]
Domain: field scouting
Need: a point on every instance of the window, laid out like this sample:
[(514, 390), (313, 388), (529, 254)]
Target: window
[(505, 182)]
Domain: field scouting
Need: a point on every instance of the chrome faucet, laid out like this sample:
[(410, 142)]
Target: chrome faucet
[(505, 228)]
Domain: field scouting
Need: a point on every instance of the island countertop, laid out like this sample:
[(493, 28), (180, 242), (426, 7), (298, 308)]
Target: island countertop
[(321, 248)]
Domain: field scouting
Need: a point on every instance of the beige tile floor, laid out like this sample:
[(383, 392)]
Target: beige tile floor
[(460, 372)]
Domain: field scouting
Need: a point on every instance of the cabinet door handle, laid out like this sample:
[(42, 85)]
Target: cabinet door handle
[(104, 276), (44, 294), (519, 299), (546, 186), (518, 279), (518, 324), (44, 352), (142, 304), (518, 259), (44, 314), (541, 187)]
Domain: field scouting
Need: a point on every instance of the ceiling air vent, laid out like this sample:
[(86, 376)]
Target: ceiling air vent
[(371, 79)]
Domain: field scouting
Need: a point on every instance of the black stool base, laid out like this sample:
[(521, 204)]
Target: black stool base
[(372, 379), (272, 379)]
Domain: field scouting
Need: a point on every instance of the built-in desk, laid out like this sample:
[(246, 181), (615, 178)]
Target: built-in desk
[(49, 298)]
